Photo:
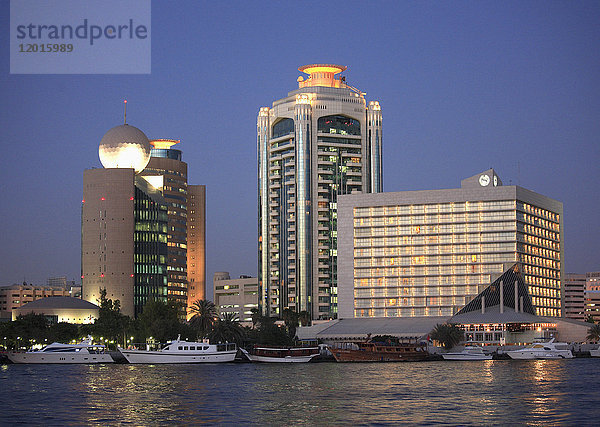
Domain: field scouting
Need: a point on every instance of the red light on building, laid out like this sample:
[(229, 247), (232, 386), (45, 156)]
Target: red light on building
[(102, 198), (132, 275), (82, 276), (83, 201), (102, 275), (131, 198)]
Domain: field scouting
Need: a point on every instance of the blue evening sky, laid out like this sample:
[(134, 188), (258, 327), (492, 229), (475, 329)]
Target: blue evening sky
[(464, 86)]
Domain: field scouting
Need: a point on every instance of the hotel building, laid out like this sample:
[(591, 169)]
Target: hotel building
[(429, 253), (321, 141)]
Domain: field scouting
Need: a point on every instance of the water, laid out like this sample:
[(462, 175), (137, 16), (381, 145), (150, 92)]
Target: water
[(502, 392)]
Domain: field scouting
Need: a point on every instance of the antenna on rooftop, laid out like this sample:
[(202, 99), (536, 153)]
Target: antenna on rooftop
[(125, 112)]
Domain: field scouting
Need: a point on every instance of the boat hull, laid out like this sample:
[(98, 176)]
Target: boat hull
[(531, 355), (458, 356), (57, 358), (595, 353), (284, 359), (158, 357)]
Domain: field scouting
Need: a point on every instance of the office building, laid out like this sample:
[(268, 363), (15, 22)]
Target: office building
[(320, 141), (168, 174), (15, 296), (574, 285), (123, 225), (429, 253), (196, 245), (592, 296), (237, 296)]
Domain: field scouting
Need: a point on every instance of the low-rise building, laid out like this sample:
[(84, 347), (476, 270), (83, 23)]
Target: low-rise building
[(14, 296), (574, 296), (237, 296), (61, 309), (592, 296)]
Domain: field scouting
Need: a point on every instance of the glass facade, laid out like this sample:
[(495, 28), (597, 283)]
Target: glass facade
[(150, 255), (432, 259)]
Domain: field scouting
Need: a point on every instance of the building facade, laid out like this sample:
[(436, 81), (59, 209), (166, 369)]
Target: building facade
[(237, 296), (574, 296), (13, 297), (60, 309), (592, 296), (123, 225), (196, 245), (168, 173), (429, 253), (321, 141)]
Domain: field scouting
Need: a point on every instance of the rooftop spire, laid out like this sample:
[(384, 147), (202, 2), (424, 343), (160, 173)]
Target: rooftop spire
[(125, 112)]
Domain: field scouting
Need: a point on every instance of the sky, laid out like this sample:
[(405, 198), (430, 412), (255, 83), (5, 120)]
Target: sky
[(463, 85)]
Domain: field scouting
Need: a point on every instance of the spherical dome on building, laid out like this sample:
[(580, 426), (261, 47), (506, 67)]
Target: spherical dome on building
[(125, 146)]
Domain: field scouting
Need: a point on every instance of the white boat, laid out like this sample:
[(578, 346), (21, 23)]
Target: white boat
[(282, 354), (178, 351), (542, 350), (468, 353), (83, 352), (595, 353)]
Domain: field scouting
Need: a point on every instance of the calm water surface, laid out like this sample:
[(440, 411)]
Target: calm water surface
[(550, 392)]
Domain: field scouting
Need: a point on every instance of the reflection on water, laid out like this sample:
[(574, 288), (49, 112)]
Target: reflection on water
[(486, 392)]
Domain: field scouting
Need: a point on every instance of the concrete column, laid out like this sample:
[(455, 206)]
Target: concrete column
[(501, 297), (516, 296), (483, 305)]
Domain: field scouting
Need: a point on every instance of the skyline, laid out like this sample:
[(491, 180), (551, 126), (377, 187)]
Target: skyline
[(463, 88)]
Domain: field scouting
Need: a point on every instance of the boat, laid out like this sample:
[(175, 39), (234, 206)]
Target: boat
[(281, 354), (470, 352), (178, 351), (595, 353), (83, 352), (368, 351), (542, 350)]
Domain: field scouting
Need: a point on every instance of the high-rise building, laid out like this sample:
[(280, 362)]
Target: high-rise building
[(429, 253), (168, 173), (196, 245), (123, 225), (321, 141), (574, 296)]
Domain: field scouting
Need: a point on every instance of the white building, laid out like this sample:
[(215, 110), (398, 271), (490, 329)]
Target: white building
[(321, 141), (238, 296)]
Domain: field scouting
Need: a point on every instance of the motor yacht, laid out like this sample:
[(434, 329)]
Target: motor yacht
[(83, 352), (178, 351), (542, 350), (468, 353), (595, 353)]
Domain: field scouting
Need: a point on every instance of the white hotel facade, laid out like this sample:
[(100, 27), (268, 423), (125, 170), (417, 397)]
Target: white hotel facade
[(429, 253)]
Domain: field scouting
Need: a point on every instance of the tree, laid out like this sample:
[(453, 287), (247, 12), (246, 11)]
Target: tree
[(160, 320), (227, 329), (594, 333), (290, 318), (448, 334), (204, 316), (111, 325), (255, 316)]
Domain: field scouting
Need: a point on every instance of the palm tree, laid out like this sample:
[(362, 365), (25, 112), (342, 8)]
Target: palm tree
[(227, 329), (205, 313), (304, 317), (594, 333), (448, 334)]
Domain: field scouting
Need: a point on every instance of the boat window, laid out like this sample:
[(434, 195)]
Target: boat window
[(204, 348), (192, 348), (180, 348), (185, 348)]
